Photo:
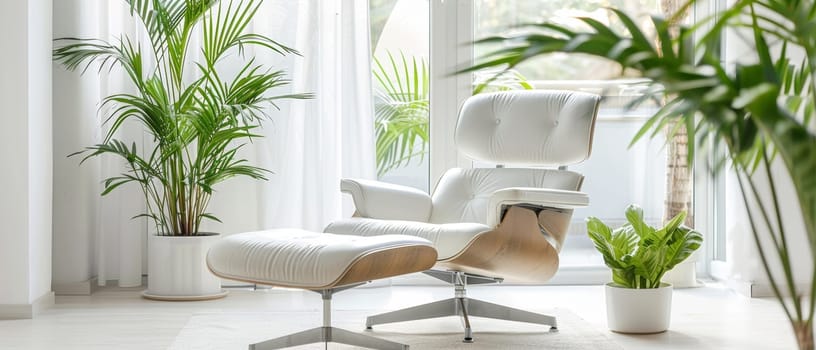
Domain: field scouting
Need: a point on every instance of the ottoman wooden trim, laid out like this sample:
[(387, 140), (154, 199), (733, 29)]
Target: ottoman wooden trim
[(389, 263)]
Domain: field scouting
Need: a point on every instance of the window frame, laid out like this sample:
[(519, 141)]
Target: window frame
[(451, 34)]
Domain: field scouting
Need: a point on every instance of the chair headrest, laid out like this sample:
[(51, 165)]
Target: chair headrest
[(529, 127)]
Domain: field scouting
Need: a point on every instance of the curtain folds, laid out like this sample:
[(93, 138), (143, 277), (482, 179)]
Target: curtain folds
[(331, 137), (309, 145)]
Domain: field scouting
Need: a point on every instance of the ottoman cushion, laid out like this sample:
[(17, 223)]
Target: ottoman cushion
[(311, 260)]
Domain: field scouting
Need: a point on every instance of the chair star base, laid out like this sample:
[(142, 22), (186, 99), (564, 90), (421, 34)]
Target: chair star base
[(464, 307)]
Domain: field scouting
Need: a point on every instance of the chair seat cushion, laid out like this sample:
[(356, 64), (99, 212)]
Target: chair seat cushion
[(448, 239), (312, 260)]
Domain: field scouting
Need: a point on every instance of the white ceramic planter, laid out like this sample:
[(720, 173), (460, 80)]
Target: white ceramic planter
[(177, 268), (638, 310), (684, 275)]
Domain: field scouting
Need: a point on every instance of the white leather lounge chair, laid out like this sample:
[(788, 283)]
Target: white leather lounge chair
[(490, 224)]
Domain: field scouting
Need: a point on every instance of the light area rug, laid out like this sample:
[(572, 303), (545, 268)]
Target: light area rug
[(236, 330)]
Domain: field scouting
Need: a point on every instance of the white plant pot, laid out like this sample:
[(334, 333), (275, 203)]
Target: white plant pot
[(683, 275), (638, 310), (177, 268)]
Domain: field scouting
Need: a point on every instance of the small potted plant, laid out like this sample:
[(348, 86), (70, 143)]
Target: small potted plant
[(639, 254)]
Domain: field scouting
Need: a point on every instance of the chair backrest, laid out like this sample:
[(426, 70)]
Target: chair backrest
[(532, 128)]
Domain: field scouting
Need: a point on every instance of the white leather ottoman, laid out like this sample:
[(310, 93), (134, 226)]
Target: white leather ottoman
[(321, 262)]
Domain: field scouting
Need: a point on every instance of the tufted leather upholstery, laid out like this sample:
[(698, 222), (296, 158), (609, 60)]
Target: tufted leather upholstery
[(462, 194), (448, 239), (536, 127), (459, 208), (380, 200)]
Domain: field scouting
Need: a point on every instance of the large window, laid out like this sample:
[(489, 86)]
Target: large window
[(399, 34), (407, 35)]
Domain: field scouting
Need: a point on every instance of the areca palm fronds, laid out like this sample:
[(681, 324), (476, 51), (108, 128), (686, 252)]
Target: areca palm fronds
[(198, 126), (758, 111), (401, 107), (499, 80)]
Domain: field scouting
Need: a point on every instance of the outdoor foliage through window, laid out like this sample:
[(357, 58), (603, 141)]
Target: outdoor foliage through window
[(495, 17)]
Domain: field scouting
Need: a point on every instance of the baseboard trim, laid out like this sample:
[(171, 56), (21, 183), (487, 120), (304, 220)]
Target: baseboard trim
[(26, 311), (86, 287), (760, 290), (765, 290)]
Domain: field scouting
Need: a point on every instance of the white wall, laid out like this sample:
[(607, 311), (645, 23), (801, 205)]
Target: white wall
[(14, 154), (25, 152), (39, 143), (75, 188)]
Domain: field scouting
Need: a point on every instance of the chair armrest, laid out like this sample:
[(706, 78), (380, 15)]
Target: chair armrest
[(380, 200), (547, 198)]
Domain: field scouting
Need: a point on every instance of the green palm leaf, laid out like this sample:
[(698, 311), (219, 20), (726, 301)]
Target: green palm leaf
[(401, 107)]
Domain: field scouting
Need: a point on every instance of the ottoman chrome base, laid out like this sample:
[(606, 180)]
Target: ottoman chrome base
[(327, 333)]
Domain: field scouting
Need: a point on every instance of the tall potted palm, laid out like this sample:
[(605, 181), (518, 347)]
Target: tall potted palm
[(196, 125), (758, 111)]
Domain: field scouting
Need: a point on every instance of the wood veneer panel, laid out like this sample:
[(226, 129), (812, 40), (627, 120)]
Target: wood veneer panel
[(389, 263), (515, 250)]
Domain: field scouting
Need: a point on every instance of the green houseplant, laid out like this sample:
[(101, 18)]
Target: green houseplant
[(760, 111), (196, 125), (638, 255)]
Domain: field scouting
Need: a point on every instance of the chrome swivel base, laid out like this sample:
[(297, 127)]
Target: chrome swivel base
[(462, 306), (328, 334)]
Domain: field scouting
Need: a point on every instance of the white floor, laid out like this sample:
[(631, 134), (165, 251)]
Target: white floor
[(704, 318)]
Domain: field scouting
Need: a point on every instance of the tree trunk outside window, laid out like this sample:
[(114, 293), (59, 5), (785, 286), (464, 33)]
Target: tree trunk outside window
[(679, 182)]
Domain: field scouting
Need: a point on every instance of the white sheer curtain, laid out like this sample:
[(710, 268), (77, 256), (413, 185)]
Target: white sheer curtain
[(309, 145), (113, 249), (315, 143)]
